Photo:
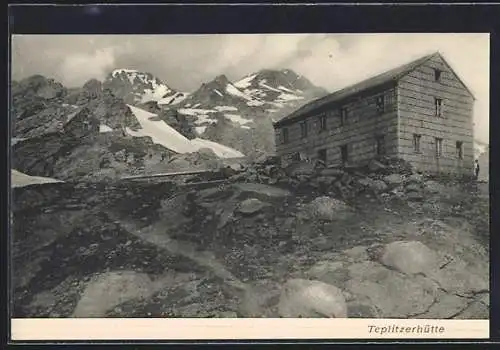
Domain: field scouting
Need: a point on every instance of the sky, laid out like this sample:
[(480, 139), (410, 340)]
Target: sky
[(184, 62)]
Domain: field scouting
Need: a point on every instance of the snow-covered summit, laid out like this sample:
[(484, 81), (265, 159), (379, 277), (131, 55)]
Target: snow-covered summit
[(137, 87)]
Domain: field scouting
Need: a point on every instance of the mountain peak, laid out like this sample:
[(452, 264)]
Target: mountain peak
[(136, 87), (221, 79)]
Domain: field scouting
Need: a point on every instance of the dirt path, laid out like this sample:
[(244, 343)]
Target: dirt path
[(155, 234)]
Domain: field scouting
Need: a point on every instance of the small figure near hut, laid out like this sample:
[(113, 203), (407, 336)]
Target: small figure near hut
[(476, 169)]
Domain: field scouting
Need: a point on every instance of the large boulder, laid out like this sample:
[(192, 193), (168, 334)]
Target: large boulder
[(307, 299), (251, 206), (111, 289), (331, 272), (327, 208), (393, 180), (409, 257), (394, 294), (432, 186)]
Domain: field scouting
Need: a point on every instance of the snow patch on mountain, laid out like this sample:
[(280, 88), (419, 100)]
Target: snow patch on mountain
[(225, 108), (264, 85), (281, 87), (245, 82), (19, 179), (163, 134), (156, 93), (104, 128), (289, 97), (230, 88), (255, 103), (200, 129), (236, 118), (122, 70)]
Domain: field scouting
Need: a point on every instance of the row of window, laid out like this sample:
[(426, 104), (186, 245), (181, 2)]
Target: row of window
[(344, 154), (381, 149), (438, 111), (380, 101), (459, 146)]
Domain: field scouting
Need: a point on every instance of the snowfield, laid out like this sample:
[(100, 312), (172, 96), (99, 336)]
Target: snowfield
[(225, 108), (19, 179), (236, 118), (289, 97), (200, 129), (163, 134), (195, 112), (104, 128)]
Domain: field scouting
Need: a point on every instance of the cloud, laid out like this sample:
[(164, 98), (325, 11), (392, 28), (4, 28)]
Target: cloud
[(78, 68)]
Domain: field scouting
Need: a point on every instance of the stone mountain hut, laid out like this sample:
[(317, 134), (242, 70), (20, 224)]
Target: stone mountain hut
[(421, 112)]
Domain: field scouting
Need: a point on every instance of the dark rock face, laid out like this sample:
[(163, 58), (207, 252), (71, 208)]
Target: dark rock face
[(64, 140), (31, 96), (38, 86), (92, 105), (91, 90), (37, 122), (179, 122)]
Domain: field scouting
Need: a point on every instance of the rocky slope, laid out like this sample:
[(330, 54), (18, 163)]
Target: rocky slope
[(91, 133), (273, 241)]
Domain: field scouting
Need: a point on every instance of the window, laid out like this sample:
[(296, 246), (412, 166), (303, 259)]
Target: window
[(437, 75), (322, 155), (343, 116), (460, 150), (380, 103), (322, 123), (416, 143), (439, 147), (343, 153), (380, 142), (390, 100), (438, 107), (285, 135), (303, 129)]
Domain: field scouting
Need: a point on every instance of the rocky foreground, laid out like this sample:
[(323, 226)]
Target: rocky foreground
[(272, 241)]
